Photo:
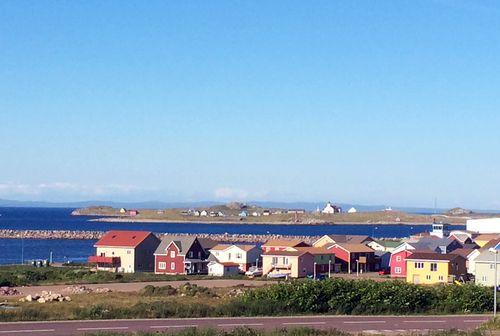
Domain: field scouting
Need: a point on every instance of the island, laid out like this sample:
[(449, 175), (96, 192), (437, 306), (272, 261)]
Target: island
[(244, 213)]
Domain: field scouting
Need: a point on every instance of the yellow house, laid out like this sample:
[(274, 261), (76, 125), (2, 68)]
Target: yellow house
[(293, 264), (432, 268)]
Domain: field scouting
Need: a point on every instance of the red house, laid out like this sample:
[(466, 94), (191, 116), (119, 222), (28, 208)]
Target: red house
[(354, 257), (180, 255), (398, 262)]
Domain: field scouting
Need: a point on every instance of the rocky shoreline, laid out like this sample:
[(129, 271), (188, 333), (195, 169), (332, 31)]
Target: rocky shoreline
[(94, 235)]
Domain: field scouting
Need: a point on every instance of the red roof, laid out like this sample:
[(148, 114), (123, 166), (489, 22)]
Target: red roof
[(122, 238)]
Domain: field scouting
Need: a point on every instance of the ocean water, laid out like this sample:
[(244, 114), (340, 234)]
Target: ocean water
[(12, 250)]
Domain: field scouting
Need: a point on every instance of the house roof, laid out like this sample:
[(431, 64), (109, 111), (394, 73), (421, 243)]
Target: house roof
[(283, 242), (432, 243), (285, 253), (487, 256), (486, 236), (355, 248), (119, 238), (314, 250), (461, 237), (244, 247), (490, 244), (433, 256), (351, 239), (464, 252), (183, 243), (227, 264), (207, 243), (389, 243)]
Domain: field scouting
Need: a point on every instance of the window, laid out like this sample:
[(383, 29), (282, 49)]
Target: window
[(483, 279), (419, 265), (398, 258), (492, 266), (428, 277), (275, 260), (199, 255), (172, 265), (397, 270), (434, 267), (229, 256), (190, 254), (162, 265), (172, 254), (285, 261), (129, 251), (441, 278)]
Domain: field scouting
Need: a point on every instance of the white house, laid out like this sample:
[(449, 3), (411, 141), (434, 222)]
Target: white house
[(245, 255), (216, 268), (329, 209), (485, 225), (204, 213), (352, 210)]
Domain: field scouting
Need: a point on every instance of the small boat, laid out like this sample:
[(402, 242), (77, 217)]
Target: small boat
[(277, 275)]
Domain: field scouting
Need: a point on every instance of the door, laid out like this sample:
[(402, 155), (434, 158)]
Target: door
[(416, 279)]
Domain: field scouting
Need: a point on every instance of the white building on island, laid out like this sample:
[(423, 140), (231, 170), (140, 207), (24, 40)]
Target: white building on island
[(331, 209)]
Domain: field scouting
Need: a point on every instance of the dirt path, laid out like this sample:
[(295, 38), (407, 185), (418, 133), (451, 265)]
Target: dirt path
[(135, 286)]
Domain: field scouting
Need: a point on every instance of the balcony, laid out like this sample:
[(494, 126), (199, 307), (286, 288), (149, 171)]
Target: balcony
[(104, 260)]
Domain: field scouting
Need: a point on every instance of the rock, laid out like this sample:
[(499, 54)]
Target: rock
[(41, 300), (29, 298), (67, 298)]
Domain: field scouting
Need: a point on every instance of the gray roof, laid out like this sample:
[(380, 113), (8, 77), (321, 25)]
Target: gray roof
[(207, 243), (182, 242), (487, 256), (431, 243), (351, 239)]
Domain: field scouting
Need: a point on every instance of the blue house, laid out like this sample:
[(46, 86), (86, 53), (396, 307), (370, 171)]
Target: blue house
[(243, 214)]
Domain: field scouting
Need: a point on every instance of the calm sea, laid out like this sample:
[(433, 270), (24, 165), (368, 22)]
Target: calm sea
[(11, 250)]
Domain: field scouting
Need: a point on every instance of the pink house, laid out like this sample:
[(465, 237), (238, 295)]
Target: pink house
[(398, 262)]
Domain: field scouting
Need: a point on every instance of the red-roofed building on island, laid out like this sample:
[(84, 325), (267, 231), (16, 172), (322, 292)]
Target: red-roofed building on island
[(125, 251)]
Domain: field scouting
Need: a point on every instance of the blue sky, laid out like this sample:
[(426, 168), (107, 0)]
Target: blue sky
[(351, 101)]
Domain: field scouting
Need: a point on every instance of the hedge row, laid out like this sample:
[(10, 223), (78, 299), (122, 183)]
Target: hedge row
[(339, 296)]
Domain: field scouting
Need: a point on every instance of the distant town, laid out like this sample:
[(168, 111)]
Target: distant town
[(236, 212)]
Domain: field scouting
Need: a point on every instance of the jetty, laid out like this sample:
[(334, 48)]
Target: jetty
[(95, 235)]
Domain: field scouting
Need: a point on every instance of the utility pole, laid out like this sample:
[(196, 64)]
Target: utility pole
[(314, 271), (22, 247), (329, 268), (495, 251)]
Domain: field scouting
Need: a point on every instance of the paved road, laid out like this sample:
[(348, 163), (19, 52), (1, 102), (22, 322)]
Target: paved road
[(136, 286), (386, 325)]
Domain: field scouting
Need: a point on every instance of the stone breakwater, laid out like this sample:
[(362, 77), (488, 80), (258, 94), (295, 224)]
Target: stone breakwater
[(94, 235)]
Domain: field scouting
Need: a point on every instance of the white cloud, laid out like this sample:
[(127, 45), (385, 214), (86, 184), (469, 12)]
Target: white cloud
[(64, 190)]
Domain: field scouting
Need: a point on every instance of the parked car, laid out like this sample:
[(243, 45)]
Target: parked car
[(254, 271), (318, 277), (384, 272)]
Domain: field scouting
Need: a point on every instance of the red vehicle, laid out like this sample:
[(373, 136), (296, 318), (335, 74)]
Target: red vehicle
[(386, 271)]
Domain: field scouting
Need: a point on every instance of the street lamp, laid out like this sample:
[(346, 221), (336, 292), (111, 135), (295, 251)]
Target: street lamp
[(314, 271), (495, 251)]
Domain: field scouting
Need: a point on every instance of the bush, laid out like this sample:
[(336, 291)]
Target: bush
[(339, 296)]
